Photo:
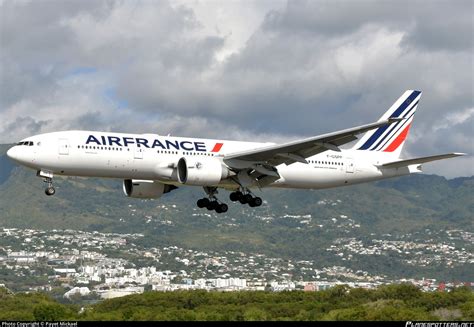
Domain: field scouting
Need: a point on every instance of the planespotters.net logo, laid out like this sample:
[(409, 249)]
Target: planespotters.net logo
[(439, 324)]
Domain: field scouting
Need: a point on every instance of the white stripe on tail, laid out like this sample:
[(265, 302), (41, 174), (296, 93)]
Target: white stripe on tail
[(391, 138)]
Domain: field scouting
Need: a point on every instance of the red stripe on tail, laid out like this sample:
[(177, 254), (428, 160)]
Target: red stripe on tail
[(399, 140), (217, 147)]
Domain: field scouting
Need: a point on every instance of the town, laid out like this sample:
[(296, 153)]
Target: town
[(107, 265)]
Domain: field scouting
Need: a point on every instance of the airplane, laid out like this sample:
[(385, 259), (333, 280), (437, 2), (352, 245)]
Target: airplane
[(152, 165)]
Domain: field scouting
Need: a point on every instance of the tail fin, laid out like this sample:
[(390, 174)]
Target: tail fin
[(391, 138)]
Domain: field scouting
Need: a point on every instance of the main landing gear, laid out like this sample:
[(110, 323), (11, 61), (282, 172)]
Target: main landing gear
[(246, 198), (211, 202)]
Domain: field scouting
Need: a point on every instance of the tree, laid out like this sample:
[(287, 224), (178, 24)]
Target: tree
[(49, 312), (255, 314)]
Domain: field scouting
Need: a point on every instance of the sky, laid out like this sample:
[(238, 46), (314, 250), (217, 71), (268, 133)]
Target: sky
[(267, 70)]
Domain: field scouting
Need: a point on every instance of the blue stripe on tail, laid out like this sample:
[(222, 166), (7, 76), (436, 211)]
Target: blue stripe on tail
[(397, 113), (394, 126)]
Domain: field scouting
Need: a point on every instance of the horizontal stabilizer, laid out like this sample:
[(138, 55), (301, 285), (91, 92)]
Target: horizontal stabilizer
[(408, 162)]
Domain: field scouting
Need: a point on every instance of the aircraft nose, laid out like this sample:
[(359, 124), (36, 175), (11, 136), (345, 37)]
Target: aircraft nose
[(12, 153)]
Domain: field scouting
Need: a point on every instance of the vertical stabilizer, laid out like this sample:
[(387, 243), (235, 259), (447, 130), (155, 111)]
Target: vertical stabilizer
[(391, 138)]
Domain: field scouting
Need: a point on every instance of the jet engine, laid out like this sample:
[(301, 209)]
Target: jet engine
[(201, 171), (145, 189)]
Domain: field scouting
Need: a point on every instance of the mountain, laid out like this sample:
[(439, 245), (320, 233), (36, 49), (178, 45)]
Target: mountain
[(296, 224)]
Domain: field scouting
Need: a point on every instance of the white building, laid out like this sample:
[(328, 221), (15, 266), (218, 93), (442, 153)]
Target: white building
[(118, 292), (77, 290)]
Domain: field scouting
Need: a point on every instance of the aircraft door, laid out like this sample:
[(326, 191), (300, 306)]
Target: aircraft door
[(63, 146), (138, 153), (349, 166)]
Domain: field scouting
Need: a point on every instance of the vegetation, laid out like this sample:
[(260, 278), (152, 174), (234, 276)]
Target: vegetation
[(392, 302), (402, 206)]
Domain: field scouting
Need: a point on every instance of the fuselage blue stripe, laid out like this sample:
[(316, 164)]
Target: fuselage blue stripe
[(397, 112)]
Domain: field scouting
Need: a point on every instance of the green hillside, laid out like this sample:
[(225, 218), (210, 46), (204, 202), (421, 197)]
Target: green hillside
[(296, 224), (395, 302)]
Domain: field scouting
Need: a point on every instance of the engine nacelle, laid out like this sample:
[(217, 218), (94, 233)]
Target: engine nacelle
[(145, 189), (201, 171)]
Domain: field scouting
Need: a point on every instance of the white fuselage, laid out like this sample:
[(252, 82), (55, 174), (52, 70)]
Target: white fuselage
[(152, 157)]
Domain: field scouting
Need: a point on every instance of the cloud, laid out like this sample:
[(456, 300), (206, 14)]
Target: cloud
[(454, 118), (266, 70)]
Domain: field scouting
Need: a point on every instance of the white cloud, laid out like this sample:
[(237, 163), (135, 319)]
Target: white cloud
[(245, 70), (235, 21), (454, 118)]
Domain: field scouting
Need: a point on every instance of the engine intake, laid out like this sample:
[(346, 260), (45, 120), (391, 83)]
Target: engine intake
[(201, 171), (145, 189)]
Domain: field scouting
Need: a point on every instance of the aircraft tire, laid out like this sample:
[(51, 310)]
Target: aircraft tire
[(50, 191), (223, 207), (200, 203), (247, 198), (257, 201), (212, 205), (235, 196)]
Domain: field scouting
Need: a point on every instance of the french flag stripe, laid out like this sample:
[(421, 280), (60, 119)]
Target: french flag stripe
[(399, 140), (378, 133), (395, 126), (217, 147)]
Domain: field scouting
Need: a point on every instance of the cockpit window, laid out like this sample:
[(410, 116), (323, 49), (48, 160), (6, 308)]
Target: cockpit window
[(27, 143)]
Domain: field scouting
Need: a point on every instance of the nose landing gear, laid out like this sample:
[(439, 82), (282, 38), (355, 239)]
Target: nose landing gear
[(48, 179), (50, 190)]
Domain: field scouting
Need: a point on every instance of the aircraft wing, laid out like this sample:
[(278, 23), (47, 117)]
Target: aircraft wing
[(408, 162), (298, 151)]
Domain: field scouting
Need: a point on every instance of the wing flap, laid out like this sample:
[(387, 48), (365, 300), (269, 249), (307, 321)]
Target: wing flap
[(414, 161)]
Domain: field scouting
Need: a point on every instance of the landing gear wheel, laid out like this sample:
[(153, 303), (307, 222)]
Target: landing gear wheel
[(256, 202), (222, 208), (202, 203), (235, 196), (211, 202), (212, 205), (50, 191), (246, 199)]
